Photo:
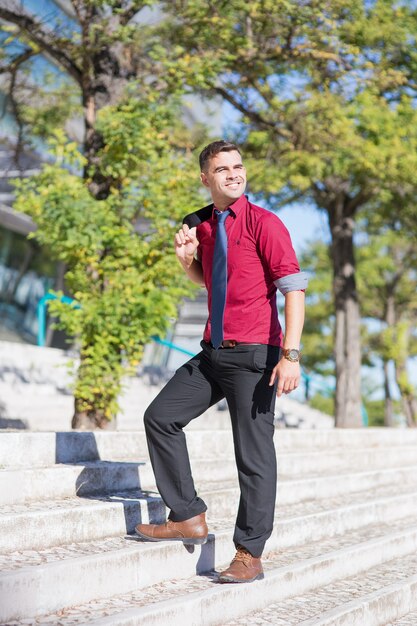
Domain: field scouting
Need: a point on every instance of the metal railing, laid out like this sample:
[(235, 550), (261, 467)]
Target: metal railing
[(41, 313)]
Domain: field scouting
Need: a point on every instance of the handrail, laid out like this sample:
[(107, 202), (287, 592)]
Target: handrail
[(41, 313), (173, 346)]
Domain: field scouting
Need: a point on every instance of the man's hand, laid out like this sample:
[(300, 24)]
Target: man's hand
[(288, 375), (186, 244)]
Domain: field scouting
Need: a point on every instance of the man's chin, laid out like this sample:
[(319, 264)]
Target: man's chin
[(235, 194)]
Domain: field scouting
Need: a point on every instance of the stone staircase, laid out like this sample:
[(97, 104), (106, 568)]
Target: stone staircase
[(343, 550)]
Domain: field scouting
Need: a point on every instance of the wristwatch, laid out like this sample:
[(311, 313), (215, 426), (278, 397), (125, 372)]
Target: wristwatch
[(291, 354)]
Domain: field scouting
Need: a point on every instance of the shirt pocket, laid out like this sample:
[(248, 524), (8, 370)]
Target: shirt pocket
[(242, 254)]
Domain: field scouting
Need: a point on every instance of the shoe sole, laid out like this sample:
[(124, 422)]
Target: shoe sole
[(193, 541), (227, 579)]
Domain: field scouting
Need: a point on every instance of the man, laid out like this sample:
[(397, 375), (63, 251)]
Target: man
[(242, 254)]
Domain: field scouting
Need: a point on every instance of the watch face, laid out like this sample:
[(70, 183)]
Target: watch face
[(293, 355)]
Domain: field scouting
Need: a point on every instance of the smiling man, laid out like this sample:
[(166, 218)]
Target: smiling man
[(242, 254)]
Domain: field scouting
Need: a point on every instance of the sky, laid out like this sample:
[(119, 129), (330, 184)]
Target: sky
[(305, 224)]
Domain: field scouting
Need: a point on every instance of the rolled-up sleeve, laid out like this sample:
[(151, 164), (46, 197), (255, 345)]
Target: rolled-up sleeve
[(292, 282), (277, 252)]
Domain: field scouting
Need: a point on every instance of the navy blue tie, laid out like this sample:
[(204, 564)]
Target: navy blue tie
[(219, 279)]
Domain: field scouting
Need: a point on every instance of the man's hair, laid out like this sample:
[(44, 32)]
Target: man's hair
[(214, 148)]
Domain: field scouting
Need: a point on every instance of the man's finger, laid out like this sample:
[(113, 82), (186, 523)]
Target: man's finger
[(280, 387), (192, 234)]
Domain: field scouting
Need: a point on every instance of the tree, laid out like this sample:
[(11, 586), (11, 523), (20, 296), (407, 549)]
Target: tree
[(319, 119), (318, 331), (110, 209), (387, 286), (387, 281)]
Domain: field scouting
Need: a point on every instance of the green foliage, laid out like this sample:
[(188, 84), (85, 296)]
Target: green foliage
[(49, 109), (325, 105), (323, 404), (387, 283), (375, 410), (127, 282), (107, 209), (326, 98), (319, 325)]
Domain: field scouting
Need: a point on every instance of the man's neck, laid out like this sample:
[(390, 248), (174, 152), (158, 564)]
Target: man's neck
[(223, 206)]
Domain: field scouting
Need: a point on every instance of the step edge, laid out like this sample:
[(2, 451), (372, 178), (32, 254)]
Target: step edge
[(363, 604), (272, 579)]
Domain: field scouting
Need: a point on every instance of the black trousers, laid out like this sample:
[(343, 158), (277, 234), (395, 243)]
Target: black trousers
[(241, 375)]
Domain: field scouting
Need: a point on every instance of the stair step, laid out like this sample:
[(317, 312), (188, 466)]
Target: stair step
[(46, 449), (42, 449), (60, 481), (325, 439), (41, 525), (343, 459), (25, 484), (70, 520), (410, 619), (199, 601), (99, 477), (372, 598), (346, 506), (300, 488)]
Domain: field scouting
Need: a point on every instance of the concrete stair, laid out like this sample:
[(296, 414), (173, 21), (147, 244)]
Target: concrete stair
[(342, 551)]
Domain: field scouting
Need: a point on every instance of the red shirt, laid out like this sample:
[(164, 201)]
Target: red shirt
[(259, 251)]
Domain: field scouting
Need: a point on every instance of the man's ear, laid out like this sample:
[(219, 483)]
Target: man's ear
[(204, 180)]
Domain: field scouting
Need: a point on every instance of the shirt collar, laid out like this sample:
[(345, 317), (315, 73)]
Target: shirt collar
[(236, 206)]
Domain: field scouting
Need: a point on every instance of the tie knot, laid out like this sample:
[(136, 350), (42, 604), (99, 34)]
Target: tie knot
[(221, 215)]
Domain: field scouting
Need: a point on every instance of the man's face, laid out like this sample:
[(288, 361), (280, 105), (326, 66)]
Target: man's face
[(225, 176)]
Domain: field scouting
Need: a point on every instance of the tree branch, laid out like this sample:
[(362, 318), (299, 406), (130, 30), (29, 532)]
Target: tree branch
[(290, 200), (362, 197), (13, 69), (130, 12), (17, 61), (46, 40), (254, 116)]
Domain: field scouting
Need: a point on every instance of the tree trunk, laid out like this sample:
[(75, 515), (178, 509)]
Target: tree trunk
[(407, 390), (389, 410), (347, 349), (408, 399), (104, 80), (390, 319), (90, 420), (105, 76)]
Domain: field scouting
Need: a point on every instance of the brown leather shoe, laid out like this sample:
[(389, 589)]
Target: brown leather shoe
[(244, 568), (191, 531)]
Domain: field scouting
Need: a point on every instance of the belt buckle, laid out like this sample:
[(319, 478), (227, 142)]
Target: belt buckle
[(229, 343)]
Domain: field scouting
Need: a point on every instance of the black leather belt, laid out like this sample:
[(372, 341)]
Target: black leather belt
[(232, 343)]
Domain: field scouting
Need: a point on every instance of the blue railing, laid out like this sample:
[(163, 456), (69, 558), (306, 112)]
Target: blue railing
[(41, 313), (172, 346)]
